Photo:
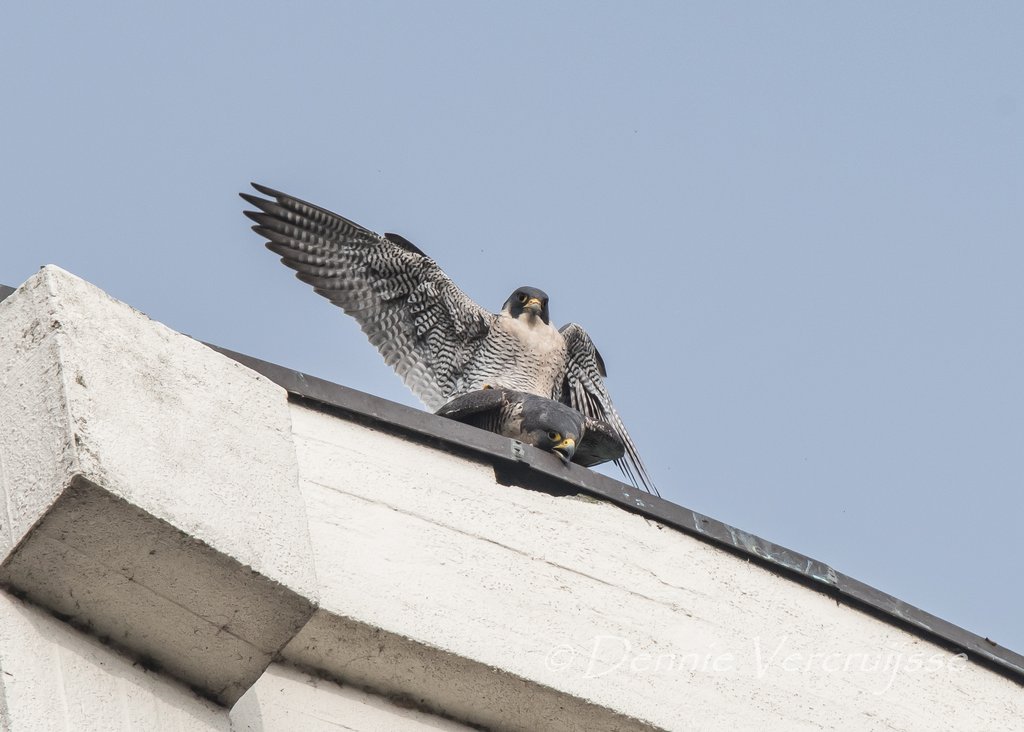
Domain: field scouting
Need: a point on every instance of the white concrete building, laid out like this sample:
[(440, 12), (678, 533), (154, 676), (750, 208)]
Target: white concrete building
[(196, 540)]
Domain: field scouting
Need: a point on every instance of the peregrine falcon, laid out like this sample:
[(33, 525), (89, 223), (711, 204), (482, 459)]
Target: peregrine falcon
[(537, 421), (440, 342)]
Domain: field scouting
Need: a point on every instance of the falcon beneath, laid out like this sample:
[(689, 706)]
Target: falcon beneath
[(440, 342), (537, 421)]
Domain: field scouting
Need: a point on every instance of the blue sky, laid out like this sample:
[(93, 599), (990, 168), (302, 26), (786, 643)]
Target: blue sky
[(795, 230)]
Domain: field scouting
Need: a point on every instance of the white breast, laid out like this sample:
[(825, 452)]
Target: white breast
[(526, 354)]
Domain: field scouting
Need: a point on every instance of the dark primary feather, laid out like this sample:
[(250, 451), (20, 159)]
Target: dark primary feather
[(467, 407), (424, 326), (584, 390), (600, 444)]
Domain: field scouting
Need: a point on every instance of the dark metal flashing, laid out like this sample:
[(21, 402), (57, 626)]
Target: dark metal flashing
[(526, 466)]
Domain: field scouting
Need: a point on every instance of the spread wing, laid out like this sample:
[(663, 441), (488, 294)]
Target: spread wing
[(424, 326), (584, 390)]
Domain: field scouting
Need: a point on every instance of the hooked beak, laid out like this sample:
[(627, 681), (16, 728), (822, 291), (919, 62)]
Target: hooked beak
[(565, 450), (534, 305)]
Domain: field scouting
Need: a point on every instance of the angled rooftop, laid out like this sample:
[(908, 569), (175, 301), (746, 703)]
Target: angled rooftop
[(264, 549)]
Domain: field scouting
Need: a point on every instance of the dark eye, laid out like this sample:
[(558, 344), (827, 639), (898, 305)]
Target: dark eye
[(522, 297), (555, 437)]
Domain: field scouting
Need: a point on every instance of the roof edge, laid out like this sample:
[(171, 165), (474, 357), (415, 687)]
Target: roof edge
[(525, 465)]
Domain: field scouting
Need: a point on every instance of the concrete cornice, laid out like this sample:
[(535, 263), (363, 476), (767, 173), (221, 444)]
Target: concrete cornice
[(529, 467), (220, 518)]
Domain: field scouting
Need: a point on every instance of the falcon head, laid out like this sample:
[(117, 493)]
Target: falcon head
[(552, 426), (529, 303)]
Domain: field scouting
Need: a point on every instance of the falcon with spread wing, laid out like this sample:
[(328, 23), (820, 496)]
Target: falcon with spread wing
[(440, 342)]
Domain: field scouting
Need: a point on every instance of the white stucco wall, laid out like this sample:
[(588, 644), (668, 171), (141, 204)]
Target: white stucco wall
[(608, 607), (149, 486), (307, 572), (53, 677), (286, 698)]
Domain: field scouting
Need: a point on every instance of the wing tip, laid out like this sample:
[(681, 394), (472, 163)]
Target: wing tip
[(266, 190), (251, 199)]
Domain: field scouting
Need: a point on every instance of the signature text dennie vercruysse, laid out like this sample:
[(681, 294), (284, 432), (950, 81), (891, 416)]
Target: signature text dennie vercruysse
[(608, 654)]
